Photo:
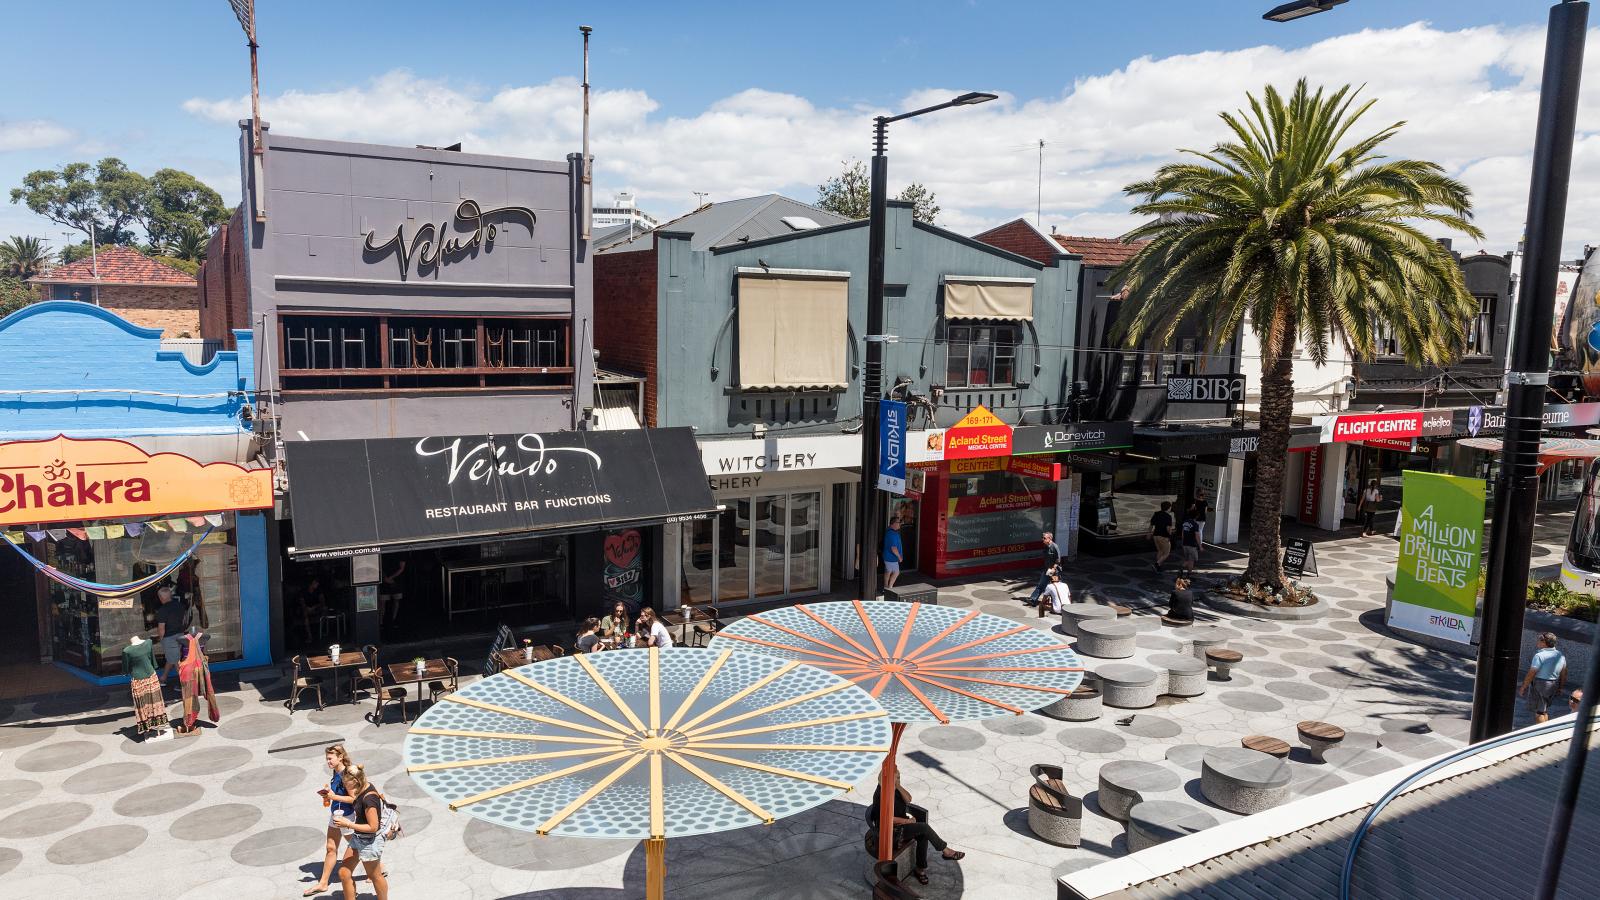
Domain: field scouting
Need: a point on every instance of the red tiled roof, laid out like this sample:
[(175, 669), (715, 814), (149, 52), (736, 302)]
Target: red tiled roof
[(1099, 251), (117, 265)]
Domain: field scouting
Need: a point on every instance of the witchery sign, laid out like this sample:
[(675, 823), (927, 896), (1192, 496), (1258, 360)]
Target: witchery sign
[(361, 494)]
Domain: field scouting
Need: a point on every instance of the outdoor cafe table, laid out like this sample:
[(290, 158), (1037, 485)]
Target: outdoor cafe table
[(683, 617), (511, 657), (349, 659), (402, 673)]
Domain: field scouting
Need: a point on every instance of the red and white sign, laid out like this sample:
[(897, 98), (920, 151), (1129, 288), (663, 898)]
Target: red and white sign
[(1034, 468), (1404, 444), (1311, 486), (1371, 426), (979, 434)]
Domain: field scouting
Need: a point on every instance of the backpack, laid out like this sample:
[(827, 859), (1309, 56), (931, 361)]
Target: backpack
[(389, 820)]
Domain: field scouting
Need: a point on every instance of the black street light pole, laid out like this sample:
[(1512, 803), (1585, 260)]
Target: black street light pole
[(1516, 492), (869, 507)]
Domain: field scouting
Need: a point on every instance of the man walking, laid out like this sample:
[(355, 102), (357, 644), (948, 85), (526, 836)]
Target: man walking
[(893, 553), (1052, 560), (172, 617), (1161, 532), (1190, 539), (1547, 675)]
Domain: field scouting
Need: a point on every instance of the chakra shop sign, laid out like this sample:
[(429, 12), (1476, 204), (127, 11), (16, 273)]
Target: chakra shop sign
[(1441, 542), (433, 247), (63, 479)]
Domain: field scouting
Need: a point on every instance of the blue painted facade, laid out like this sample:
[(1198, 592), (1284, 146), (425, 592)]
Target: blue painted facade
[(74, 369)]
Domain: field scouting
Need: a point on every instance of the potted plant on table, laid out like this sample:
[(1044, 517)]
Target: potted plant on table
[(421, 664), (527, 649)]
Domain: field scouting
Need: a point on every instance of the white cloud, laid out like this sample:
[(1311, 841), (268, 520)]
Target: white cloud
[(32, 134), (1469, 98)]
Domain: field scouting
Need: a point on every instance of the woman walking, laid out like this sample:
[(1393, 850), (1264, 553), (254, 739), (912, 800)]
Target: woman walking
[(365, 843), (340, 803)]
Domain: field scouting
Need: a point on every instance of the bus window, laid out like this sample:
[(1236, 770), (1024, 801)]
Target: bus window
[(1583, 549)]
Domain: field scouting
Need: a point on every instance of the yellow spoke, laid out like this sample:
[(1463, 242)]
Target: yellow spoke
[(587, 795), (705, 680), (533, 717), (721, 788), (561, 698), (793, 701), (770, 770), (785, 726), (525, 757), (774, 676), (658, 815), (655, 691), (843, 748), (609, 691), (540, 779), (514, 736)]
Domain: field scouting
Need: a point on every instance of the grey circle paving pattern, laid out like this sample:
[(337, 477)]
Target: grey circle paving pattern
[(414, 819), (1187, 756), (15, 791), (1015, 726), (255, 725), (1320, 634), (1412, 746), (1281, 642), (279, 846), (1250, 702), (46, 818), (1153, 727), (264, 780), (372, 734), (952, 737), (9, 858), (1266, 668), (1092, 740), (1308, 660), (210, 761), (55, 757), (104, 723), (95, 845), (337, 714), (219, 820), (303, 745), (518, 850), (105, 779), (169, 744), (1355, 628), (1296, 690), (158, 799), (1156, 642), (375, 762), (1338, 592), (403, 788), (14, 736), (1347, 650), (1336, 680)]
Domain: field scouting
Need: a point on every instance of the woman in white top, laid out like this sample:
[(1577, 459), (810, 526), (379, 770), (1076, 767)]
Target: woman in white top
[(1367, 509), (654, 633), (1056, 595)]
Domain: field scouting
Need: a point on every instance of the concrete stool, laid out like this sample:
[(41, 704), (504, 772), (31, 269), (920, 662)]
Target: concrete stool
[(1074, 613), (1267, 744), (1125, 782), (1243, 781), (1119, 609), (1158, 821), (1053, 813), (1105, 639), (1223, 660), (1082, 705), (1207, 637), (1186, 676), (1319, 737), (1127, 686)]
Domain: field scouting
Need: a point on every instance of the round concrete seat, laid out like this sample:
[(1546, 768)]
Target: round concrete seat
[(1223, 660), (1127, 686), (1319, 737), (1206, 637), (1074, 613), (1082, 705), (1127, 781), (1105, 638), (1158, 821), (1243, 781), (1186, 676)]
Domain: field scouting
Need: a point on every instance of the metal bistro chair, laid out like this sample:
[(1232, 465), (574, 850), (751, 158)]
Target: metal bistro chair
[(368, 674), (382, 697), (704, 632), (299, 683), (439, 687)]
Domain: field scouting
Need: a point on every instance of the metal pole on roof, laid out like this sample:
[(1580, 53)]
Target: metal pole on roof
[(1516, 492), (94, 264), (588, 161)]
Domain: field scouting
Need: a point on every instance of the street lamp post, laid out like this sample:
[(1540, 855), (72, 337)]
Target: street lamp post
[(869, 515)]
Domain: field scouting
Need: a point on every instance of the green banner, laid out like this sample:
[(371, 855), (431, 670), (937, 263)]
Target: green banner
[(1441, 542)]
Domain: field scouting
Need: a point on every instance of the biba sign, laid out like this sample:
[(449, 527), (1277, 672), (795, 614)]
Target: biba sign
[(64, 480), (980, 433)]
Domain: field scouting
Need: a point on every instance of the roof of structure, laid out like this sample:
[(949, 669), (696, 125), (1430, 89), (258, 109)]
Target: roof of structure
[(747, 219), (116, 264), (1098, 251)]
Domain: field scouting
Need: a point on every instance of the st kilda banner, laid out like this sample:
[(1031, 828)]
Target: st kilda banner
[(360, 495)]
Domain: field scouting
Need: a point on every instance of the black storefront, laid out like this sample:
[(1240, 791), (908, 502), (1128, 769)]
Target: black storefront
[(525, 530)]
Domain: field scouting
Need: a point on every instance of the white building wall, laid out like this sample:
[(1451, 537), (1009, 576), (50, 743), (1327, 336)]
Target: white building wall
[(1318, 390)]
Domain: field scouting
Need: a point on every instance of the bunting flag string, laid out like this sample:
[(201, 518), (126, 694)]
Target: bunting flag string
[(120, 529), (107, 590)]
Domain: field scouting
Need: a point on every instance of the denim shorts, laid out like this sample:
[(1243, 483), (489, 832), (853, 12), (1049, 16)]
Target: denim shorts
[(369, 847), (172, 649)]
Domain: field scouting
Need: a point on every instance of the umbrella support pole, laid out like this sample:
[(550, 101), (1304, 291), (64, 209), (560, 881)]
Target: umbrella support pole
[(886, 789), (655, 867)]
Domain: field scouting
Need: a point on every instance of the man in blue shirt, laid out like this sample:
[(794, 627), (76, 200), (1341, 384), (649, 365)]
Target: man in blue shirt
[(1052, 559), (1547, 675), (893, 553)]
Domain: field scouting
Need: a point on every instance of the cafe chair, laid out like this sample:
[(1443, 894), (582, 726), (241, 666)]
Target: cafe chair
[(441, 686), (368, 674), (332, 619), (702, 633), (384, 696), (299, 683)]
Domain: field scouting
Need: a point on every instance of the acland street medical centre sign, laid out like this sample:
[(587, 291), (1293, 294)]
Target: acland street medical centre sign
[(1441, 546)]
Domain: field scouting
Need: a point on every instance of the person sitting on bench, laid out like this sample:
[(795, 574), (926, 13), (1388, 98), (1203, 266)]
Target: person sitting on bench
[(911, 822)]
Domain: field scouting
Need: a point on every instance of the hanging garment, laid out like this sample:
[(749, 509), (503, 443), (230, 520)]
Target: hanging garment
[(195, 678), (149, 707)]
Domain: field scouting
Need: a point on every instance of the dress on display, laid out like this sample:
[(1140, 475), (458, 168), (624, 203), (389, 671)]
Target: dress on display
[(139, 661), (195, 677)]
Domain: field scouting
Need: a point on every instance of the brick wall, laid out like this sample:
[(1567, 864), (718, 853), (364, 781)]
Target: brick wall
[(224, 297), (1019, 238), (174, 310), (625, 318)]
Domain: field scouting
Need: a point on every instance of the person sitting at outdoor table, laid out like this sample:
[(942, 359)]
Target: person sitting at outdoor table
[(911, 822), (615, 626), (652, 631), (589, 636)]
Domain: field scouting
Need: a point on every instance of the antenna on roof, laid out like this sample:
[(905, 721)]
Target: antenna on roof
[(700, 198), (1038, 197)]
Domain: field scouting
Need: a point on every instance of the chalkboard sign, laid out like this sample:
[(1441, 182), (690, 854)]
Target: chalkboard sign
[(503, 638), (1299, 557)]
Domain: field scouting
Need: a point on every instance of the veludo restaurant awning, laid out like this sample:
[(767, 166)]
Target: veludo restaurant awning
[(356, 496)]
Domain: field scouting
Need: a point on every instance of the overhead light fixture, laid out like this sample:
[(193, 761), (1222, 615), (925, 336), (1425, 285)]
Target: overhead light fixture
[(974, 97), (1299, 9)]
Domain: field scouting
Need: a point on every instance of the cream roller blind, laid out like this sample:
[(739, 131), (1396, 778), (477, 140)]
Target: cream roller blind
[(793, 332), (987, 300)]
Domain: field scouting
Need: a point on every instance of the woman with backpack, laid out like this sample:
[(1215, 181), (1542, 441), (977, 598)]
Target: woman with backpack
[(370, 826)]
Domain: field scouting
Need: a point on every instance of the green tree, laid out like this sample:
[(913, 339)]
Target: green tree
[(106, 197), (15, 294), (849, 194), (176, 206), (1307, 238), (23, 257)]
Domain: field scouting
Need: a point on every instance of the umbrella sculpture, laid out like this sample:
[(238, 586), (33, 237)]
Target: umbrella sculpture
[(647, 744), (923, 663), (1551, 449)]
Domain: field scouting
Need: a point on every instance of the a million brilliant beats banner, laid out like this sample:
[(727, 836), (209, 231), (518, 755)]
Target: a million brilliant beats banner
[(980, 433), (1441, 544)]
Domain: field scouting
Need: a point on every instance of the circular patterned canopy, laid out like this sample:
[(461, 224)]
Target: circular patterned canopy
[(1564, 447), (647, 743), (923, 663)]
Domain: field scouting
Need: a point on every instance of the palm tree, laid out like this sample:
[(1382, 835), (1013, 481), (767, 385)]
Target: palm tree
[(1306, 241), (23, 257)]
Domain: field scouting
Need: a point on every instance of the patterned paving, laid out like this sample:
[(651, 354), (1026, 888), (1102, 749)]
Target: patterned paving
[(223, 815)]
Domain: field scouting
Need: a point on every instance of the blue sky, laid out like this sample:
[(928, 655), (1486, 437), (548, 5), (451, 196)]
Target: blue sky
[(741, 98)]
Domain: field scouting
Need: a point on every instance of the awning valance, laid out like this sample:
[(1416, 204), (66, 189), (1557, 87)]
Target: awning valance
[(793, 332), (361, 495), (996, 299)]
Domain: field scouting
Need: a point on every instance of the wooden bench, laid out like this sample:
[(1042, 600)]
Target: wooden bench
[(1267, 744), (1319, 737), (1053, 813), (1223, 660)]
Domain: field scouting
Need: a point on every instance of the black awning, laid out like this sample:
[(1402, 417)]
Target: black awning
[(357, 496)]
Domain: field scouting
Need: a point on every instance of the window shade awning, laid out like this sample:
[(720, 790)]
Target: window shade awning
[(988, 300), (793, 332)]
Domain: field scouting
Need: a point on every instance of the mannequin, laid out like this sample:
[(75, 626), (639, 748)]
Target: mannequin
[(144, 680), (195, 678)]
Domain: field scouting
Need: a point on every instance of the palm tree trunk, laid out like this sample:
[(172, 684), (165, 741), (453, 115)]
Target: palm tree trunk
[(1277, 410)]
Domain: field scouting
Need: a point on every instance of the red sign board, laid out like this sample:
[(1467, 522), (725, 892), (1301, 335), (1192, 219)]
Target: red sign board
[(1389, 443), (1311, 486), (1034, 468), (1370, 426), (980, 433)]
